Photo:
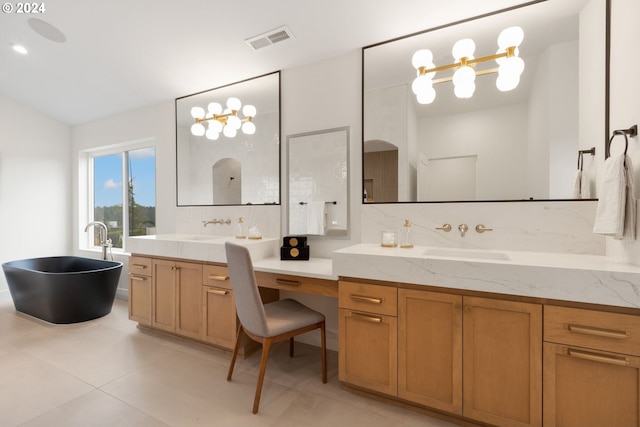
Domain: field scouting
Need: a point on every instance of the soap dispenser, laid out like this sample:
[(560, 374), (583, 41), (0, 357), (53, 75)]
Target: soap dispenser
[(405, 235), (240, 229)]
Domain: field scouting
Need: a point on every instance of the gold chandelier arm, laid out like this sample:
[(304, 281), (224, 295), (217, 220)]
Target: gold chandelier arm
[(510, 51)]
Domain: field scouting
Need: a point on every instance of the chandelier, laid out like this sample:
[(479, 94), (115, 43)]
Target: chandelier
[(224, 121), (510, 67)]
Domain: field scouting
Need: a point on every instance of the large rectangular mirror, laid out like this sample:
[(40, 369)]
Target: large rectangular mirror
[(318, 184), (521, 144), (229, 166)]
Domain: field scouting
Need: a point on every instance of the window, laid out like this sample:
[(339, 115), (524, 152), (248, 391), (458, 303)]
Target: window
[(122, 193)]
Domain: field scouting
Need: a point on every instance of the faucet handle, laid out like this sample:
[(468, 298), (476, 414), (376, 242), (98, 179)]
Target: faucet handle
[(481, 228), (445, 227)]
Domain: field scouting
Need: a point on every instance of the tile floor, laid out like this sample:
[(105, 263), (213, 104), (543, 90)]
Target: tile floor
[(106, 372)]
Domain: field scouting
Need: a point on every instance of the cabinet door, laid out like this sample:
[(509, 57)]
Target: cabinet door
[(189, 299), (502, 363), (140, 291), (430, 349), (164, 295), (368, 350), (590, 388), (220, 324)]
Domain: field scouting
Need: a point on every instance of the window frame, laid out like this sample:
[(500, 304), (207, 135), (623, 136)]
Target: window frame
[(87, 187)]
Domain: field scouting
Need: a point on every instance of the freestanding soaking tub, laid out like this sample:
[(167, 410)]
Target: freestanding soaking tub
[(65, 289)]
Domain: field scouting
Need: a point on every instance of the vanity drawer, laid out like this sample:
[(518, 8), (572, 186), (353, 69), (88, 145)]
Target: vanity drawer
[(618, 333), (287, 282), (140, 266), (369, 298), (216, 275)]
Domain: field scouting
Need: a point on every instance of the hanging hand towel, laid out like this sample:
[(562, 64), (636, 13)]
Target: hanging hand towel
[(616, 212), (316, 217), (577, 185)]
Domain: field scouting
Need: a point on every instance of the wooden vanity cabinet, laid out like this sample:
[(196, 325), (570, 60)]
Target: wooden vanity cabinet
[(502, 362), (140, 290), (476, 357), (367, 331), (430, 349), (177, 297), (591, 368)]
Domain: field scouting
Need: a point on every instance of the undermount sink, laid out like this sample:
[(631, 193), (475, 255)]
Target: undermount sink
[(466, 253)]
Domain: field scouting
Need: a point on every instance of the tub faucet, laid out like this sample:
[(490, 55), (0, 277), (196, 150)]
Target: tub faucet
[(104, 242)]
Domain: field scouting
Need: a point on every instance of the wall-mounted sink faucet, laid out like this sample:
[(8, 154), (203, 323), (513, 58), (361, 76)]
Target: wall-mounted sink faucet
[(463, 228), (105, 243), (216, 221)]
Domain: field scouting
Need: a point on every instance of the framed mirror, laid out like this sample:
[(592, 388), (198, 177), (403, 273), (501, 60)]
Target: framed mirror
[(318, 182), (243, 169), (521, 144)]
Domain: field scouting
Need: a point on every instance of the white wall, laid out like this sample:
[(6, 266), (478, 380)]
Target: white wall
[(35, 196)]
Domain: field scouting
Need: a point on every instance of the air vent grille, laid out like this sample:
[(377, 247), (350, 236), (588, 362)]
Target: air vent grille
[(269, 38)]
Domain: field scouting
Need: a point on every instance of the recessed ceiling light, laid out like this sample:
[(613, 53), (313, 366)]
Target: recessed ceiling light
[(19, 48)]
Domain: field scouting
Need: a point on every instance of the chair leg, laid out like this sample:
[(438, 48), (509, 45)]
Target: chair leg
[(324, 352), (266, 346), (291, 347), (235, 352)]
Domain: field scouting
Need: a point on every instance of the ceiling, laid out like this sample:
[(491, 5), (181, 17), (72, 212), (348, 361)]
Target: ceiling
[(119, 55)]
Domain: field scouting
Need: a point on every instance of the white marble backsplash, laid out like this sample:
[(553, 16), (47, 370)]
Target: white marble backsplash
[(266, 217), (561, 227)]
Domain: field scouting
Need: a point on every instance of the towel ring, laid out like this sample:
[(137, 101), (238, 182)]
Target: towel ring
[(632, 131)]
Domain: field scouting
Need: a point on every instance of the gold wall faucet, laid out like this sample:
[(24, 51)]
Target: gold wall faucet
[(463, 228)]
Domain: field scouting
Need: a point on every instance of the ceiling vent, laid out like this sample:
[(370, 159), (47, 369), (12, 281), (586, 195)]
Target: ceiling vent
[(269, 38)]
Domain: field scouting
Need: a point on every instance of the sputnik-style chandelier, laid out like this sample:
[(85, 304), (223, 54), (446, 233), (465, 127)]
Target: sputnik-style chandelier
[(226, 121), (510, 67)]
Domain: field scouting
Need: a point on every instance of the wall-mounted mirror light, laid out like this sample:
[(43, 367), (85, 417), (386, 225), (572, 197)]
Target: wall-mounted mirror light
[(228, 144), (495, 145), (318, 184)]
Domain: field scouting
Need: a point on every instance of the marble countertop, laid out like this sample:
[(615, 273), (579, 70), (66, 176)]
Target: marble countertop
[(199, 247), (582, 278)]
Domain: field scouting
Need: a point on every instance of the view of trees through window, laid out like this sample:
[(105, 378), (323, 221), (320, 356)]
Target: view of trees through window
[(125, 183)]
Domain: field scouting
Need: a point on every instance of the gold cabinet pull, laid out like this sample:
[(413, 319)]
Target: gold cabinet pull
[(217, 291), (140, 266), (370, 300), (360, 316), (288, 282), (588, 330), (218, 278), (594, 357), (138, 277)]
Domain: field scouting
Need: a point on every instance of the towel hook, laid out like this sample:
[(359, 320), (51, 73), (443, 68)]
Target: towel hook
[(631, 132)]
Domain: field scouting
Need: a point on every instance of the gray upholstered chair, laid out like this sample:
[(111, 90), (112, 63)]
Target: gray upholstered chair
[(268, 323)]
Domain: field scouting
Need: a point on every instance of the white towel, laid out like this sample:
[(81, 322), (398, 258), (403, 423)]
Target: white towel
[(616, 213), (585, 188), (577, 185), (316, 217)]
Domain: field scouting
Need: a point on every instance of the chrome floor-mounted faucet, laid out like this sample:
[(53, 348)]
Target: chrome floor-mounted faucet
[(104, 242)]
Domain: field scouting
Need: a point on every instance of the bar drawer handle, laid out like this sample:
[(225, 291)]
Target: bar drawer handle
[(594, 357), (288, 282), (141, 266), (361, 316), (606, 333), (142, 278), (217, 292), (370, 300), (219, 278)]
